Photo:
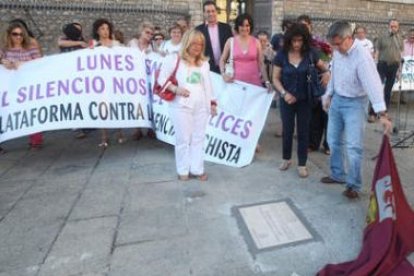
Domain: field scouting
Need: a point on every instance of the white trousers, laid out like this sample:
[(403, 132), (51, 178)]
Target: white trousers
[(190, 128)]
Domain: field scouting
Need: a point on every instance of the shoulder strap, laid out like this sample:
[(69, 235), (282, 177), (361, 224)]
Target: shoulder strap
[(176, 65), (231, 49), (311, 61)]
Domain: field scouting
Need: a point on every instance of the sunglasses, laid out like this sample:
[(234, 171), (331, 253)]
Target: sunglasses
[(17, 34)]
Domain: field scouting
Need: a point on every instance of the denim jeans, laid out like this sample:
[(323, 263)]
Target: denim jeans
[(346, 127)]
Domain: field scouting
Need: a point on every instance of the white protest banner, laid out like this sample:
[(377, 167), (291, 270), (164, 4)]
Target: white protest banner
[(407, 75), (232, 135), (110, 88), (91, 88)]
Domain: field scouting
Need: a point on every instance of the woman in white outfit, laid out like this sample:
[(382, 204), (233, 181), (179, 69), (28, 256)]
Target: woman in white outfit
[(192, 106), (143, 44), (173, 45)]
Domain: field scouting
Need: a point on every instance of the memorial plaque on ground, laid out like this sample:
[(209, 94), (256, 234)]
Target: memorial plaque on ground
[(273, 224)]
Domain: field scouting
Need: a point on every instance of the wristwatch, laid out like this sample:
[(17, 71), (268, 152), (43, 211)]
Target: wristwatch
[(282, 93)]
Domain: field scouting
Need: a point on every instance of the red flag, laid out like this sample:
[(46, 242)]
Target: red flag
[(389, 234)]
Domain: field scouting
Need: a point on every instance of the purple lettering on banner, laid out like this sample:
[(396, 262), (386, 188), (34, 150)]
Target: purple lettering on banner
[(35, 92), (119, 86), (98, 84), (106, 62), (91, 62), (79, 65), (63, 85), (225, 121), (132, 86), (75, 87), (50, 86), (236, 126), (247, 126), (118, 63), (4, 100), (143, 86), (129, 63), (21, 94)]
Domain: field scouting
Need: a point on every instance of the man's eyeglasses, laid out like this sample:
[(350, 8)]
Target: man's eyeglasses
[(158, 38), (149, 33)]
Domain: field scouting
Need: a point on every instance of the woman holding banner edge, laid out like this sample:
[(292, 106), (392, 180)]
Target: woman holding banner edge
[(193, 104), (102, 33), (16, 49), (290, 79)]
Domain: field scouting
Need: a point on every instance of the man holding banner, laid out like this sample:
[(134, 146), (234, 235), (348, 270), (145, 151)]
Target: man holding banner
[(354, 80)]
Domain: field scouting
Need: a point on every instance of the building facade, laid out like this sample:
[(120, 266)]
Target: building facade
[(46, 17)]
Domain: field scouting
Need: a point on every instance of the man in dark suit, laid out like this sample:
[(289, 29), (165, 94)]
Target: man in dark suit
[(216, 34)]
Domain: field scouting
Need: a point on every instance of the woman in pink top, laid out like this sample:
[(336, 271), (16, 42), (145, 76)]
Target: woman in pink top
[(247, 55), (17, 49)]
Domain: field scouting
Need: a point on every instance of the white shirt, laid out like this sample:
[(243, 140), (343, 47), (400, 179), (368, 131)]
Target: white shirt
[(134, 43), (202, 93), (170, 48), (354, 73), (366, 43)]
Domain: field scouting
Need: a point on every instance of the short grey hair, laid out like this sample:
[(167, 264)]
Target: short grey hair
[(340, 29)]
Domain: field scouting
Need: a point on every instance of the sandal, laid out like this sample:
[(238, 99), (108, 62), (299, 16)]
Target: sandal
[(183, 177), (201, 177), (151, 134), (285, 165), (121, 140), (137, 135), (303, 171), (104, 144), (80, 135)]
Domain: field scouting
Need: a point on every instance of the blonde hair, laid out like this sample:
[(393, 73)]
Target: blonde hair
[(189, 37)]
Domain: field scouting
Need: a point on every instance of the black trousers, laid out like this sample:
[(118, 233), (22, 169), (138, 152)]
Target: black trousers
[(387, 74), (300, 111), (318, 127)]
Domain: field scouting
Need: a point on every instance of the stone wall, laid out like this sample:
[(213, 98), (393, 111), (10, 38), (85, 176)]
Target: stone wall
[(46, 18), (372, 14)]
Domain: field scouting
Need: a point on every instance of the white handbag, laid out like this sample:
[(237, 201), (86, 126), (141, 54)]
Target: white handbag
[(229, 66)]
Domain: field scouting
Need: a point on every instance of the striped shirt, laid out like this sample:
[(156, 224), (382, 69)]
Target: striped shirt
[(354, 74), (20, 55)]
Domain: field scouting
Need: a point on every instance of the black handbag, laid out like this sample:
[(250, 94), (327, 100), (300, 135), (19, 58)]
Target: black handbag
[(315, 89)]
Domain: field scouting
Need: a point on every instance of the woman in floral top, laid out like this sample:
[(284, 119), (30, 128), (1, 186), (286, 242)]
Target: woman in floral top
[(17, 49)]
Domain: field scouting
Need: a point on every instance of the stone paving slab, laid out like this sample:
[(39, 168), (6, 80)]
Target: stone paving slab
[(74, 209), (155, 258), (82, 247)]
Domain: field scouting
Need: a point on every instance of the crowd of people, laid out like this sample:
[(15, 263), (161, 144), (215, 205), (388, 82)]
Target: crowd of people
[(352, 69)]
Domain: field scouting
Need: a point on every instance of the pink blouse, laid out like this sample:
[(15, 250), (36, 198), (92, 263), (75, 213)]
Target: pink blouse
[(246, 67)]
